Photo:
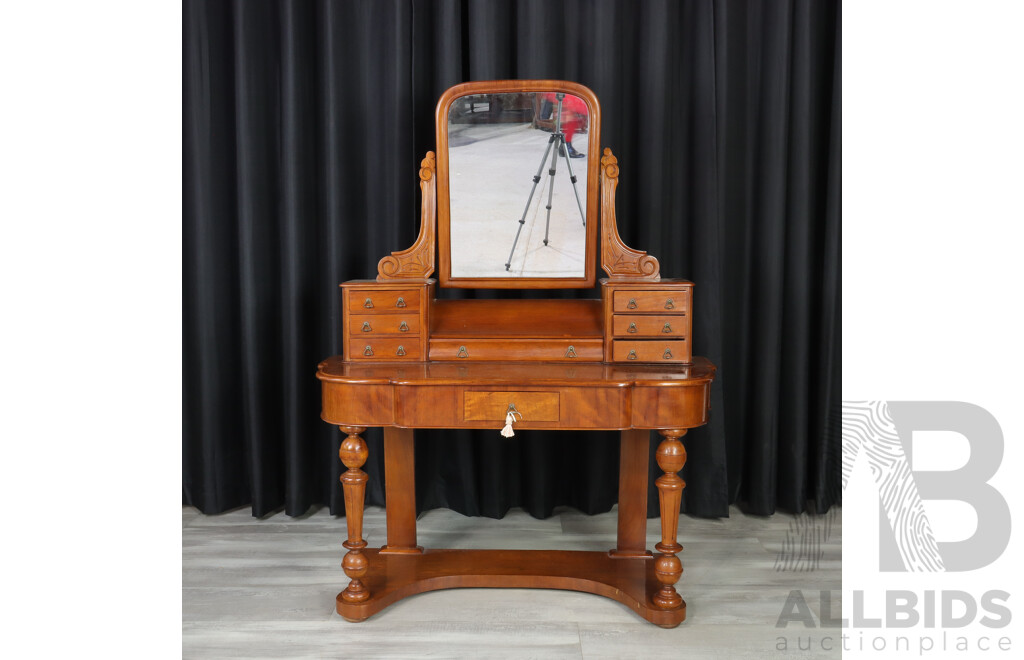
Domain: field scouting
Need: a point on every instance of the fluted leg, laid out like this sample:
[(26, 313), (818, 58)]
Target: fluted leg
[(353, 454), (671, 457)]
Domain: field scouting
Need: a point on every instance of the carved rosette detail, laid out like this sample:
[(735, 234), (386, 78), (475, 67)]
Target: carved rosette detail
[(418, 261), (353, 454), (617, 259)]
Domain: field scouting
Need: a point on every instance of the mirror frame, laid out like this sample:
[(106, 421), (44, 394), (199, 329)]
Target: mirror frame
[(443, 193)]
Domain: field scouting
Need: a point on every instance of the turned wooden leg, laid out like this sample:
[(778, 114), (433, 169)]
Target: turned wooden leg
[(671, 457), (353, 454)]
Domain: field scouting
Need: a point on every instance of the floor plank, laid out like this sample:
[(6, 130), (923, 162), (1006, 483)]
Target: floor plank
[(265, 588)]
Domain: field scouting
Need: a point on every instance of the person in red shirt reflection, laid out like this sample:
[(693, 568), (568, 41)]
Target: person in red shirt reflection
[(574, 117)]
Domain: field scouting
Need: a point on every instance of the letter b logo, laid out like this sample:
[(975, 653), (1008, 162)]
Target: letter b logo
[(883, 431)]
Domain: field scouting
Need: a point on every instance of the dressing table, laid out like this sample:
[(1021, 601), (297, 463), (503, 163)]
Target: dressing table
[(517, 197)]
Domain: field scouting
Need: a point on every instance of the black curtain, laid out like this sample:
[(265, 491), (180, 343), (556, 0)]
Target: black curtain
[(304, 126)]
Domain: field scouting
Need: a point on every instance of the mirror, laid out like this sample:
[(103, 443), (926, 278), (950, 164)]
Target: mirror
[(517, 184)]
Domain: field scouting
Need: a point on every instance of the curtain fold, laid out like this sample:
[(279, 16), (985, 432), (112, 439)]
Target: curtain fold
[(304, 126)]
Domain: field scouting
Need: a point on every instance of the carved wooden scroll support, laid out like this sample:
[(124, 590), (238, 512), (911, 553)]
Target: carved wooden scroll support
[(418, 261), (617, 259)]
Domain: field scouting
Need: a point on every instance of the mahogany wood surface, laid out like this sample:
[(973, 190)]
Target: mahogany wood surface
[(353, 454), (516, 319), (661, 301), (547, 350), (417, 261), (400, 491), (630, 326), (618, 260), (390, 578), (640, 316), (392, 348), (377, 300), (699, 373), (368, 325), (495, 405), (667, 568), (669, 350), (633, 459)]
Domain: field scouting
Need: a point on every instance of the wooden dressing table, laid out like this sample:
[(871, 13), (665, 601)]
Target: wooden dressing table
[(619, 363)]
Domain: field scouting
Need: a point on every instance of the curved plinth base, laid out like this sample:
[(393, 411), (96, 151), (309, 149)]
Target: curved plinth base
[(390, 578)]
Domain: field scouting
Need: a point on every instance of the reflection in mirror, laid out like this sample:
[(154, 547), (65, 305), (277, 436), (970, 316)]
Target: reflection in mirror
[(518, 185)]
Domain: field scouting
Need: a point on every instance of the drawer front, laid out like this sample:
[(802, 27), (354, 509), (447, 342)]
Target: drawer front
[(673, 350), (533, 406), (369, 325), (589, 350), (373, 348), (638, 302), (649, 326), (362, 301)]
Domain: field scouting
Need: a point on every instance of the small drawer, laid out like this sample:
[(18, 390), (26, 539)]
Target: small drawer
[(673, 350), (670, 301), (368, 325), (649, 326), (532, 406), (383, 349), (362, 301)]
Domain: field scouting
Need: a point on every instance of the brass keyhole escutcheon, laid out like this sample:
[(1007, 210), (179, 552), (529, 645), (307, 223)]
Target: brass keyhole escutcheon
[(400, 303), (669, 305), (368, 304), (667, 328), (404, 327), (368, 351), (667, 354), (571, 353), (632, 304), (366, 327), (632, 328), (400, 351), (463, 353), (632, 355)]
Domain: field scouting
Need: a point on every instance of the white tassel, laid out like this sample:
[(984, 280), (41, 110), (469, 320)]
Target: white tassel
[(507, 431)]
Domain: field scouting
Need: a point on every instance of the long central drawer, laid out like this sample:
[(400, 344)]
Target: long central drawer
[(574, 350)]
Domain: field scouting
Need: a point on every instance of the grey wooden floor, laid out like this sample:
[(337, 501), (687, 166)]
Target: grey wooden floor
[(266, 588)]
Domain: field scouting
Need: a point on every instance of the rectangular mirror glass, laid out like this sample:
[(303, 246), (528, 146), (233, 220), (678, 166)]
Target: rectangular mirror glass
[(517, 185)]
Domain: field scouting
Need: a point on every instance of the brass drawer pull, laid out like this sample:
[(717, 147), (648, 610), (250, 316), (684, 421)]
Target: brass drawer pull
[(632, 355), (404, 327), (632, 328), (667, 328), (571, 353), (667, 354), (632, 304), (368, 351), (401, 351), (368, 304), (669, 305), (401, 302), (463, 353), (366, 327)]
